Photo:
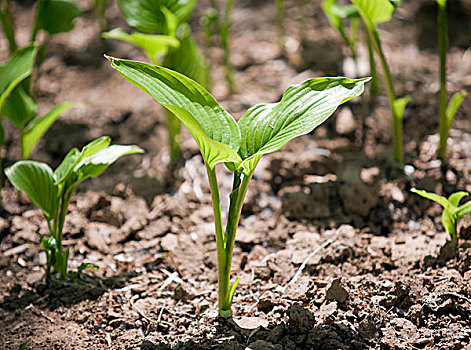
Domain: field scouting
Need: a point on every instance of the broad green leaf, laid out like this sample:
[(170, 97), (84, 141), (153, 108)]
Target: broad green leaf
[(97, 163), (432, 196), (455, 198), (56, 16), (17, 68), (20, 107), (374, 11), (464, 209), (453, 105), (266, 128), (37, 127), (147, 16), (399, 105), (214, 130), (36, 179), (188, 60), (155, 46), (95, 146)]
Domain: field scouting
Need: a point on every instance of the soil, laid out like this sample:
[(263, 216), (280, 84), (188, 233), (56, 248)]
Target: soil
[(333, 250)]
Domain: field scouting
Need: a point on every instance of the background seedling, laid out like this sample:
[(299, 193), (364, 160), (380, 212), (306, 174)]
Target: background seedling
[(372, 13), (263, 129), (52, 16), (452, 211), (447, 112), (214, 24), (51, 191), (174, 46)]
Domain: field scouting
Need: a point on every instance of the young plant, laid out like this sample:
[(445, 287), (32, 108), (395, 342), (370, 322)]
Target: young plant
[(452, 211), (263, 129), (19, 106), (51, 191), (12, 73), (336, 15), (174, 47), (52, 16), (213, 24), (447, 112), (372, 13)]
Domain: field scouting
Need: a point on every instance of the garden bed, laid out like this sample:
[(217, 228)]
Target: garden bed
[(333, 250)]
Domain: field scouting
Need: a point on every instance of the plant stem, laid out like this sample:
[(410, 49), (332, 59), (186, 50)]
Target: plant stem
[(225, 33), (396, 119), (442, 49), (174, 129), (65, 200), (7, 24), (374, 85)]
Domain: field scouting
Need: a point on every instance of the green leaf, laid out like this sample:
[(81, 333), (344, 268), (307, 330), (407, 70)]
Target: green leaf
[(266, 128), (65, 169), (15, 70), (432, 196), (147, 16), (20, 107), (37, 127), (37, 181), (453, 105), (335, 12), (464, 210), (97, 163), (441, 3), (56, 16), (188, 60), (374, 11), (214, 130), (399, 105), (455, 198), (155, 46)]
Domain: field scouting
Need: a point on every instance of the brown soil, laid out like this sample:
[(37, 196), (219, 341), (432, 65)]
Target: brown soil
[(375, 268)]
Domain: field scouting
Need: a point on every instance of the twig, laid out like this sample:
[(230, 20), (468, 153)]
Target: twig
[(39, 313), (303, 265)]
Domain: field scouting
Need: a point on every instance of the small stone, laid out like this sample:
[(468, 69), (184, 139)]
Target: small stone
[(448, 251), (367, 329), (251, 322), (184, 292), (345, 122), (337, 292)]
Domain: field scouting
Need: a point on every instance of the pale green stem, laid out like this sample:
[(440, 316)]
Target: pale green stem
[(442, 49), (174, 130), (396, 119)]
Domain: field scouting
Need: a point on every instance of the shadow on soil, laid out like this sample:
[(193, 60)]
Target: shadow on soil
[(59, 293), (298, 332)]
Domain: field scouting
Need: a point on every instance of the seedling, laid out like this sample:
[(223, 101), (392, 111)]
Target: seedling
[(447, 112), (19, 106), (12, 73), (452, 211), (52, 16), (174, 47), (51, 191), (213, 24), (372, 13), (337, 14), (263, 129)]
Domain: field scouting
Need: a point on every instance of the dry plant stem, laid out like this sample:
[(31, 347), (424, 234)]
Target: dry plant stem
[(442, 48), (396, 119), (225, 240)]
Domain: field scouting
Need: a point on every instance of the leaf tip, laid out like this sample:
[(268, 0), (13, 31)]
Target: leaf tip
[(413, 189)]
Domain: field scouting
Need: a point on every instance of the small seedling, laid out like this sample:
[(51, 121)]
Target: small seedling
[(52, 16), (337, 14), (452, 211), (51, 191), (372, 13), (174, 47), (263, 129), (447, 112)]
